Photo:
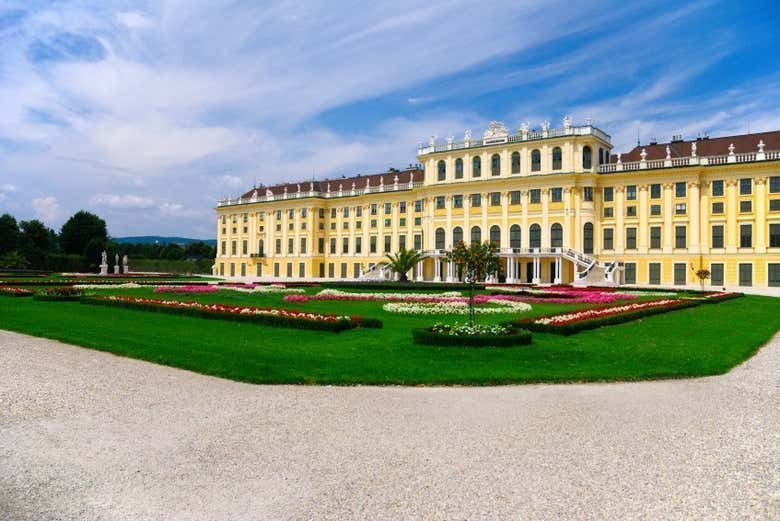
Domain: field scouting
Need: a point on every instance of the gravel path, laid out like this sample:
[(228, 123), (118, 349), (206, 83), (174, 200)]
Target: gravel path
[(88, 435)]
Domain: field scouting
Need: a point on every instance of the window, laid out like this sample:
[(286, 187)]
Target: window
[(516, 163), (388, 222), (332, 213), (587, 158), (457, 201), (345, 211), (680, 189), (556, 195), (745, 274), (495, 198), (233, 247), (655, 237), (291, 214), (601, 155), (774, 235), (457, 235), (557, 158), (587, 238), (774, 185), (289, 270), (276, 269), (358, 244), (359, 224), (345, 245), (439, 239), (716, 274), (418, 221), (536, 161), (536, 195), (745, 186), (322, 213), (321, 245), (224, 247), (631, 192), (631, 211), (609, 194), (302, 269), (476, 235), (745, 206), (556, 236), (629, 273), (418, 242), (303, 245), (495, 235), (773, 275), (278, 214), (333, 246), (514, 197), (655, 191), (388, 208), (609, 211), (278, 246), (372, 244), (654, 273), (631, 238), (440, 202), (343, 270), (476, 200), (774, 205), (441, 170), (290, 226), (373, 223), (476, 167), (388, 243), (680, 237), (418, 206), (716, 188), (608, 240), (495, 164), (587, 193), (717, 207), (459, 168), (345, 225), (515, 236), (680, 272), (331, 272), (373, 208), (717, 236), (535, 236), (680, 209), (745, 235)]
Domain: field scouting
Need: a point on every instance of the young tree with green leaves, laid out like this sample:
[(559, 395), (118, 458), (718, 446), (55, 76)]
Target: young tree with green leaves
[(403, 261), (477, 262)]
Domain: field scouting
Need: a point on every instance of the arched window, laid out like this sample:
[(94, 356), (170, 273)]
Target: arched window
[(515, 162), (457, 235), (557, 158), (601, 155), (536, 161), (495, 164), (495, 235), (442, 170), (459, 168), (535, 236), (587, 158), (439, 238), (556, 236), (514, 236), (587, 238), (476, 167), (476, 235)]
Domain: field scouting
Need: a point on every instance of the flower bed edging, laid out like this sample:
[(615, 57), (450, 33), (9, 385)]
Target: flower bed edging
[(59, 294), (7, 291), (516, 337)]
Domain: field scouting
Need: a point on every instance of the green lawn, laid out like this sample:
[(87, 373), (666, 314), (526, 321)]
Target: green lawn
[(705, 340)]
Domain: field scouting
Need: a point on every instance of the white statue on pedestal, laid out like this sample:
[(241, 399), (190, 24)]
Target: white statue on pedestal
[(104, 263), (116, 264), (125, 267)]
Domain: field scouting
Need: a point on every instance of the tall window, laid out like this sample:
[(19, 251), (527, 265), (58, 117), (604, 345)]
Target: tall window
[(601, 155), (679, 189), (557, 158), (774, 185), (535, 195), (745, 235), (495, 235), (654, 272), (631, 192), (680, 237), (556, 235), (716, 274), (587, 237), (774, 235), (536, 161), (587, 193), (556, 194), (535, 236), (629, 273), (608, 239), (745, 186), (631, 238), (655, 237), (745, 274), (457, 235), (716, 188), (495, 164), (515, 236), (515, 162), (609, 194), (476, 235), (587, 158), (717, 236), (476, 200), (459, 168), (655, 191), (441, 170), (680, 272), (439, 238), (476, 167)]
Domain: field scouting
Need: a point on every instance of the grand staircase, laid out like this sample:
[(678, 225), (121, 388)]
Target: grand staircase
[(377, 272), (589, 271)]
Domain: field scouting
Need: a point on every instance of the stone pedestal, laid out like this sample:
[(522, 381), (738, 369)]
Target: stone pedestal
[(104, 269), (125, 269), (116, 269)]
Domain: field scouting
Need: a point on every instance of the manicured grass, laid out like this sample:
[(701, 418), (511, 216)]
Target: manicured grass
[(705, 340)]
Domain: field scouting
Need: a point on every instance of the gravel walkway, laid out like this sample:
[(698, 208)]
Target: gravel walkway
[(87, 435)]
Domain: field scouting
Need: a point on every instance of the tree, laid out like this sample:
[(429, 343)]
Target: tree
[(199, 250), (79, 230), (9, 233), (172, 252), (403, 261), (35, 242), (93, 252), (13, 259), (477, 262), (702, 274)]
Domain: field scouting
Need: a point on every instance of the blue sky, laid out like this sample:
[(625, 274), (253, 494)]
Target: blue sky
[(148, 112)]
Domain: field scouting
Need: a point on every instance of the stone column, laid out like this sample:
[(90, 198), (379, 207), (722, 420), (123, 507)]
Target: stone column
[(537, 271), (420, 276), (620, 229), (668, 229), (577, 218), (545, 217), (557, 270), (643, 225), (732, 233), (437, 269), (693, 216), (524, 235), (760, 226)]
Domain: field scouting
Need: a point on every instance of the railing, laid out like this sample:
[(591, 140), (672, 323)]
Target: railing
[(395, 187), (676, 162)]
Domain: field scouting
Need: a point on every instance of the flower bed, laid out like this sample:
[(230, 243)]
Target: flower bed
[(96, 282), (456, 307), (15, 292), (720, 297), (267, 316), (189, 289), (61, 294), (334, 294), (471, 336), (401, 286), (244, 288)]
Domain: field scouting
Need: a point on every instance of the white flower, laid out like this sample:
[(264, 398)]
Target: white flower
[(455, 308)]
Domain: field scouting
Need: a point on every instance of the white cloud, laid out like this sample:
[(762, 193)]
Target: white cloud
[(121, 201), (48, 210), (133, 19)]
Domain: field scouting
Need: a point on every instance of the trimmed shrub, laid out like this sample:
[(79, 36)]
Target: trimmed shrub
[(515, 338)]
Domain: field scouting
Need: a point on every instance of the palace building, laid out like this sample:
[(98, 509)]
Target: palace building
[(561, 206)]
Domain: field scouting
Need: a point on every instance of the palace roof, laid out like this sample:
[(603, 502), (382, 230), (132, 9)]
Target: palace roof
[(705, 146)]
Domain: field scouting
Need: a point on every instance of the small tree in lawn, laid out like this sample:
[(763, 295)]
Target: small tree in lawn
[(477, 262), (403, 261), (702, 274)]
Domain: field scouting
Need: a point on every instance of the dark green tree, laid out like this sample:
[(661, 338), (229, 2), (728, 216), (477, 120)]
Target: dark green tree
[(93, 252), (172, 252), (9, 233), (35, 242), (82, 228)]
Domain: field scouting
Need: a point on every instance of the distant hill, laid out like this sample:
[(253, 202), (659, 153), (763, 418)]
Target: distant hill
[(151, 239)]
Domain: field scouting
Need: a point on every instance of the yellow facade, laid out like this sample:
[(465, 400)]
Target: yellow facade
[(556, 216)]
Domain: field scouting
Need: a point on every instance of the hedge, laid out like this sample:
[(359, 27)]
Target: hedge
[(269, 320), (428, 337), (401, 286), (720, 298), (56, 298)]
